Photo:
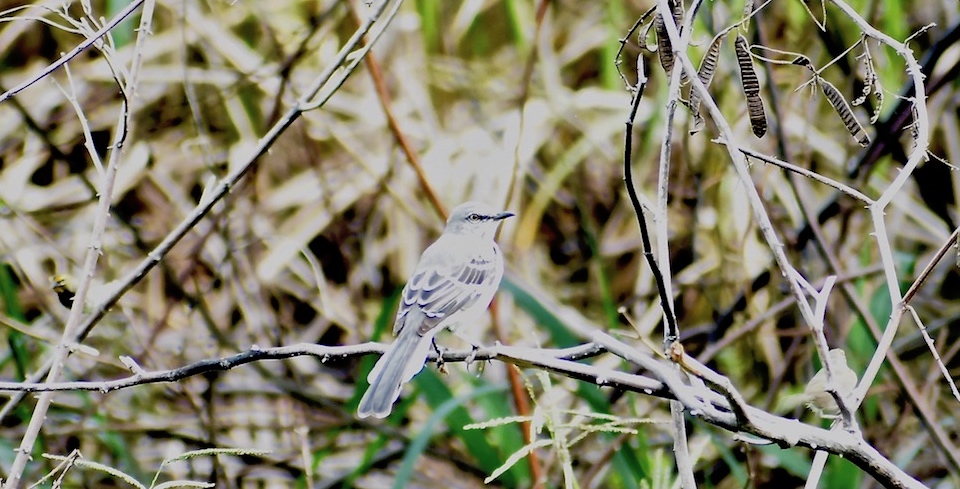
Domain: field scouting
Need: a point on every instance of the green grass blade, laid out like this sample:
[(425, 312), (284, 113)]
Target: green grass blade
[(450, 408), (11, 304), (546, 319)]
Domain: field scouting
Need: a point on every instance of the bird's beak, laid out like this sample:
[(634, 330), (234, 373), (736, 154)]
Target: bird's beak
[(503, 215)]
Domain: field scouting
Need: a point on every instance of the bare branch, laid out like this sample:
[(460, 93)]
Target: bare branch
[(129, 9)]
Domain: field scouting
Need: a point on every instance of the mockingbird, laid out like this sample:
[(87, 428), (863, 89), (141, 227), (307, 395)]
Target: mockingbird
[(452, 286)]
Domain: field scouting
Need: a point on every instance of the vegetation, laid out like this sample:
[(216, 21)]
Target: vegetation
[(207, 211)]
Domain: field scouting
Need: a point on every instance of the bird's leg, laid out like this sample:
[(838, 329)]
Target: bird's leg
[(473, 355), (441, 366), (475, 345)]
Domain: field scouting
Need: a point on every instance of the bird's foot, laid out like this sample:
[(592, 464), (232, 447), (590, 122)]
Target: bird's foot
[(472, 357), (441, 365)]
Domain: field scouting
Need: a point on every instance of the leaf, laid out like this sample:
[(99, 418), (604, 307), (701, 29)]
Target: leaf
[(179, 483), (87, 464)]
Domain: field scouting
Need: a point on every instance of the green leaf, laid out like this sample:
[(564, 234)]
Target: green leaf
[(98, 467), (429, 11), (544, 318), (11, 304), (793, 461), (450, 409)]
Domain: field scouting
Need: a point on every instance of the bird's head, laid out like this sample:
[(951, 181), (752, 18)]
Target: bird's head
[(475, 219)]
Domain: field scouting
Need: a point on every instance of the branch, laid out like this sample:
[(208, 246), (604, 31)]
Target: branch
[(852, 192), (700, 402), (134, 5), (230, 180), (522, 356), (94, 250)]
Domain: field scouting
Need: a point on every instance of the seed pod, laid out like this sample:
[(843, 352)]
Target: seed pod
[(876, 110), (676, 8), (664, 48), (870, 86), (644, 34), (708, 66), (751, 87), (868, 81), (747, 12), (914, 132), (843, 110), (803, 61)]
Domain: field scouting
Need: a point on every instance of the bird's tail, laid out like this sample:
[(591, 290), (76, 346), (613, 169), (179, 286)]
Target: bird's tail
[(403, 360)]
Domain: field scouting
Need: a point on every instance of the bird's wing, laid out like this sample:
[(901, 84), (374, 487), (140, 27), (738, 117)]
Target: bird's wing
[(448, 280)]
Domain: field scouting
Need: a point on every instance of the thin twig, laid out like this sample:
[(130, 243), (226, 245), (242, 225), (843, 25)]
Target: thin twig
[(761, 217), (719, 382), (105, 189), (948, 245), (704, 404), (412, 157), (228, 182), (852, 192), (878, 209), (130, 8), (323, 352), (663, 273)]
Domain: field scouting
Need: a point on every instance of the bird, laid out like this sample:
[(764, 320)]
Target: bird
[(815, 394), (452, 285)]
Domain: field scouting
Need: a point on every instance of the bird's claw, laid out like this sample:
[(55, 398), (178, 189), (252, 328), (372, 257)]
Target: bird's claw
[(473, 355), (441, 365)]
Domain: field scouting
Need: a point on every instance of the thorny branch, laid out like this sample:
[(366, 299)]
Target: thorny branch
[(77, 327), (663, 381), (680, 60), (105, 190), (330, 78)]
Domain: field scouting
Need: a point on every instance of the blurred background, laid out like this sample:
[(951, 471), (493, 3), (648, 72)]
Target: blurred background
[(516, 103)]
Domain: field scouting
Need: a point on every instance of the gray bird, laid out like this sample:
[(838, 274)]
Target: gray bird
[(815, 395), (452, 285)]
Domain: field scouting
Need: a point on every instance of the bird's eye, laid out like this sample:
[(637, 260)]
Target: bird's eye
[(474, 217)]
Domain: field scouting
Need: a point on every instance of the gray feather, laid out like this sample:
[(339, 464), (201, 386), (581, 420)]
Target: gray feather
[(453, 284), (403, 360)]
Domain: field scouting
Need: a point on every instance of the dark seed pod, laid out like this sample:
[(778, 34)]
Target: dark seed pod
[(843, 110), (803, 61), (869, 79), (914, 132), (708, 66), (751, 87), (664, 48), (676, 8), (870, 85), (878, 92)]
